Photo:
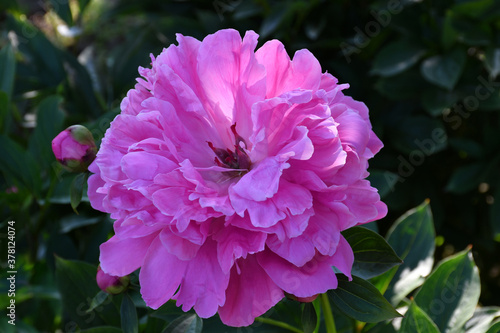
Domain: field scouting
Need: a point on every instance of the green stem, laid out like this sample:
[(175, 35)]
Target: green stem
[(278, 323), (327, 312)]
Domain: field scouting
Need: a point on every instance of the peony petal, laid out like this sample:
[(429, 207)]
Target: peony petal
[(315, 277), (121, 257), (160, 275), (304, 71), (204, 284), (343, 257), (178, 246), (250, 294), (262, 182), (234, 243), (143, 165)]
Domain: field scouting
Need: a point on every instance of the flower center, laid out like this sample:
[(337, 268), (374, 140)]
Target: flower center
[(232, 159)]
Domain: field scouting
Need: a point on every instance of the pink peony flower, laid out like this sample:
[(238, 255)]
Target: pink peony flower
[(74, 148), (231, 173)]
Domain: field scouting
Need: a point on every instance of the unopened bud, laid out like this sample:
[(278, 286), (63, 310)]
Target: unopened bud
[(111, 284), (74, 148)]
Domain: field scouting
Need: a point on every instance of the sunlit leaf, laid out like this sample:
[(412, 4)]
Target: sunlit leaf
[(417, 321), (372, 254), (412, 238), (360, 300), (189, 323), (450, 294)]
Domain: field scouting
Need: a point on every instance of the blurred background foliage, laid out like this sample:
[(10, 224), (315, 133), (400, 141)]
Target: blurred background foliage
[(426, 69)]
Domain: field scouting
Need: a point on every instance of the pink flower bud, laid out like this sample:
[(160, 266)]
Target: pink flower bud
[(111, 284), (74, 148)]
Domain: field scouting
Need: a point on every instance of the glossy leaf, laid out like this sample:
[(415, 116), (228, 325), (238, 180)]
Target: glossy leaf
[(98, 299), (482, 319), (417, 321), (372, 254), (189, 323), (444, 70), (492, 61), (450, 294), (466, 178), (128, 313), (77, 188), (495, 328), (396, 58), (76, 282), (412, 238), (360, 300)]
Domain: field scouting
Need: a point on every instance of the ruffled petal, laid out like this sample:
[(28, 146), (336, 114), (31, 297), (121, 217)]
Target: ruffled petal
[(315, 277), (121, 257), (204, 284), (160, 275), (250, 294)]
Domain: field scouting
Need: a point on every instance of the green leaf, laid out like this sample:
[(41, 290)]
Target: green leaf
[(7, 70), (412, 238), (417, 321), (63, 11), (98, 299), (360, 300), (128, 313), (43, 65), (4, 112), (372, 254), (189, 323), (492, 61), (466, 178), (396, 58), (18, 164), (444, 70), (482, 319), (83, 4), (475, 9), (49, 124), (76, 282), (450, 294), (435, 101), (76, 191), (309, 318), (495, 328)]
